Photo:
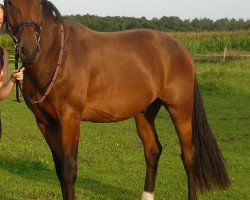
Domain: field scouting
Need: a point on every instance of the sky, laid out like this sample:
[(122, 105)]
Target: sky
[(185, 9)]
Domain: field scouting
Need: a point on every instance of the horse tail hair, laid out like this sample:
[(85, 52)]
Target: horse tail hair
[(208, 165)]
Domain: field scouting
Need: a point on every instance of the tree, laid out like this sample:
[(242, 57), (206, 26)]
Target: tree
[(171, 23)]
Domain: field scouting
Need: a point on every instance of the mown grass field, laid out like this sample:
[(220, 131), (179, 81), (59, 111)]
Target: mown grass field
[(111, 161)]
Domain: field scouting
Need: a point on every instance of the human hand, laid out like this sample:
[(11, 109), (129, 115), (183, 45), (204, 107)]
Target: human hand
[(17, 75)]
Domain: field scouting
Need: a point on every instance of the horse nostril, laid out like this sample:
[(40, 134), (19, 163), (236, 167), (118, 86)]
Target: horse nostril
[(29, 55), (24, 51)]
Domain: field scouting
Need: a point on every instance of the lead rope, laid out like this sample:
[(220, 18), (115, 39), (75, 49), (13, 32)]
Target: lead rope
[(16, 68), (55, 74)]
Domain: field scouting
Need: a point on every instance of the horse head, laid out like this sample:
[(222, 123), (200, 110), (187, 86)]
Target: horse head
[(24, 21)]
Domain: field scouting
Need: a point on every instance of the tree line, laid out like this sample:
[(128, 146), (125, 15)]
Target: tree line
[(162, 24)]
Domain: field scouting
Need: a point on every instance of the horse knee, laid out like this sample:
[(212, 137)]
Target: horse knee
[(153, 155), (157, 151)]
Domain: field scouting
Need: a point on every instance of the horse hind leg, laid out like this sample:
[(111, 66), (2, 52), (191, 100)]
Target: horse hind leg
[(201, 156), (180, 108), (183, 123), (152, 147)]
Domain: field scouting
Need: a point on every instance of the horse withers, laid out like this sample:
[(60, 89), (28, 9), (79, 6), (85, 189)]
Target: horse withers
[(74, 74)]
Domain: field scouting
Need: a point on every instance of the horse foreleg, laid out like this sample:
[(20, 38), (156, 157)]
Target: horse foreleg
[(152, 148), (63, 140)]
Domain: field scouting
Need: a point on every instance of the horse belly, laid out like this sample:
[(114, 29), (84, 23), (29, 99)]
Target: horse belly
[(118, 106)]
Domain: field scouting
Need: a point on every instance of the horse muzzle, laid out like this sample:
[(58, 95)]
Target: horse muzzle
[(29, 55)]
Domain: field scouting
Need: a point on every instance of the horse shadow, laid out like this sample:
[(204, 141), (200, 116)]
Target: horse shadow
[(38, 171)]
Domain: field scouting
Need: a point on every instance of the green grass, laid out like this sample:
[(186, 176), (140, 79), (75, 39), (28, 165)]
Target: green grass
[(224, 77), (111, 163)]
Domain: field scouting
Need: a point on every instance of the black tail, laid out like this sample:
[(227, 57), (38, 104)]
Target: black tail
[(208, 163)]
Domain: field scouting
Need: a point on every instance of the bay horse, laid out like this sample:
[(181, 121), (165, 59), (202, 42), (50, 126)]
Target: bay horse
[(75, 74)]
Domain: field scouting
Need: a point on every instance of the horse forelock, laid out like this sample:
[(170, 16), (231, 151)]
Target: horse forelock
[(51, 10)]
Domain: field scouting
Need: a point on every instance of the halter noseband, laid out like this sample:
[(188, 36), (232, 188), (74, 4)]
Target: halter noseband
[(24, 23)]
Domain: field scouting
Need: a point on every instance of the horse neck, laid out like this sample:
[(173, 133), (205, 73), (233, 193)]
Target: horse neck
[(40, 73), (50, 38)]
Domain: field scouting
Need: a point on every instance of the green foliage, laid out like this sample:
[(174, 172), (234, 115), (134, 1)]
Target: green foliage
[(7, 43), (212, 42), (111, 163), (196, 42), (171, 23)]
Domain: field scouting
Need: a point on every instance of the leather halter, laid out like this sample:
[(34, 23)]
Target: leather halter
[(22, 24)]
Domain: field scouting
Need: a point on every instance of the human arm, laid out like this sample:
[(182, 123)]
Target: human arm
[(5, 89), (6, 85)]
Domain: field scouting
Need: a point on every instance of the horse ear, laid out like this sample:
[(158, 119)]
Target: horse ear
[(43, 2), (52, 11)]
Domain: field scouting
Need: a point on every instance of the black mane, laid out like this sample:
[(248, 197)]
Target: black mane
[(52, 11)]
